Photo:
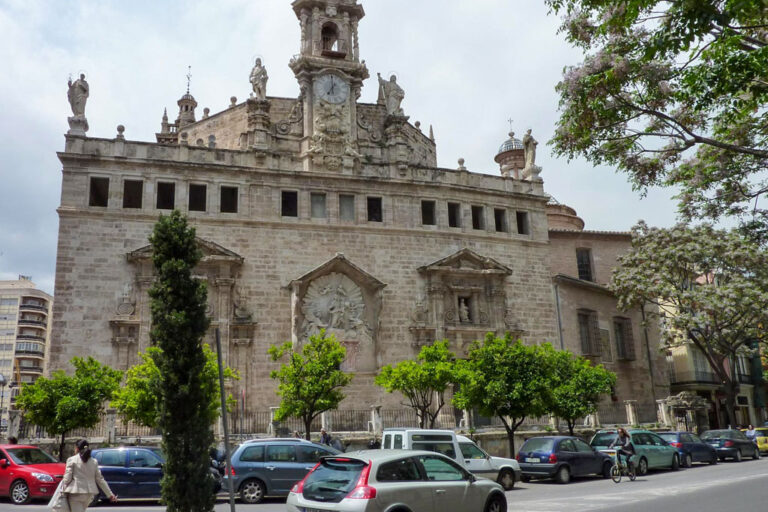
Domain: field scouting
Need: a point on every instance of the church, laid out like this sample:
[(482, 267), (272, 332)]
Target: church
[(322, 212)]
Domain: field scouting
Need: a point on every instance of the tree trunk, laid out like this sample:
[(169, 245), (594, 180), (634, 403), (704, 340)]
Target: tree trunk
[(571, 425), (422, 414), (308, 427), (61, 447), (511, 428), (731, 390)]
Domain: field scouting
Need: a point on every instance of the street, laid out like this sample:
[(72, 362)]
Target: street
[(736, 487)]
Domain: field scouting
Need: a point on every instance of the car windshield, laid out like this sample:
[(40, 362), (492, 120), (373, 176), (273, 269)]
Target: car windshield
[(715, 434), (537, 445), (332, 480), (603, 438), (25, 456), (669, 437)]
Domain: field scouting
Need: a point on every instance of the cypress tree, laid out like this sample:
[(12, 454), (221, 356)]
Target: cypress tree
[(179, 323)]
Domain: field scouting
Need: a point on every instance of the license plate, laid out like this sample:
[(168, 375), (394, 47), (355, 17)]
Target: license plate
[(716, 445), (532, 459), (313, 510)]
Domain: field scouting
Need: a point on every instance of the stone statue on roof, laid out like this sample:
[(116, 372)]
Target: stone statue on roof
[(78, 95), (392, 94), (529, 146), (259, 80)]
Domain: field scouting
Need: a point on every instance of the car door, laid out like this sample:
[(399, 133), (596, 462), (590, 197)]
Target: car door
[(5, 474), (690, 446), (145, 469), (112, 464), (643, 448), (401, 481), (665, 454), (282, 467), (477, 461), (591, 461), (309, 456), (567, 453), (450, 485)]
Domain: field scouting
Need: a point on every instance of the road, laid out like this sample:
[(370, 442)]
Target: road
[(735, 487)]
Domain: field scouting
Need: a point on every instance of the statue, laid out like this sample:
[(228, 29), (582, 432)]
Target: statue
[(392, 94), (259, 80), (78, 95), (463, 311), (529, 145)]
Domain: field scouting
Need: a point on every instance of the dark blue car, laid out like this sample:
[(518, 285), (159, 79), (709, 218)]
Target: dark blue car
[(690, 447), (561, 457)]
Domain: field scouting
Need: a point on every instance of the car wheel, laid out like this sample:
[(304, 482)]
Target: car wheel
[(687, 460), (642, 467), (496, 504), (675, 462), (738, 456), (252, 491), (607, 469), (525, 479), (563, 475), (506, 479), (20, 492)]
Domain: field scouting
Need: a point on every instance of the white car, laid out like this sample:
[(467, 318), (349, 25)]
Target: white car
[(504, 471)]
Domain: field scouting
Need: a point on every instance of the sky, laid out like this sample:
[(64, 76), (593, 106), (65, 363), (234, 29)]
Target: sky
[(467, 67)]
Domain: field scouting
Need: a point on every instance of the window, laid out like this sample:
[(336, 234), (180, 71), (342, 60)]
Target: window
[(438, 469), (133, 190), (523, 227), (281, 453), (374, 209), (166, 196), (110, 458), (289, 205), (228, 200), (478, 217), (444, 448), (252, 454), (500, 220), (347, 207), (330, 37), (567, 445), (99, 193), (625, 343), (428, 213), (470, 451), (398, 442), (454, 215), (197, 197), (584, 263), (403, 470), (143, 459), (317, 201), (581, 446), (310, 453), (589, 333)]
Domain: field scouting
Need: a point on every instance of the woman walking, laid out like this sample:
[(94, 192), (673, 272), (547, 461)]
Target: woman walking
[(82, 479)]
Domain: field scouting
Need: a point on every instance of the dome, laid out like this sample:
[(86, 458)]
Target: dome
[(510, 144)]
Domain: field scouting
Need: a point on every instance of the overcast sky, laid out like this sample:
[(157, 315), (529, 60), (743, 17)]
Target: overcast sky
[(466, 67)]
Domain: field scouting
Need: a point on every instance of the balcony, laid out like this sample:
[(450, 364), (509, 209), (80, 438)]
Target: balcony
[(30, 352), (33, 337), (693, 377), (33, 323), (37, 370), (36, 307)]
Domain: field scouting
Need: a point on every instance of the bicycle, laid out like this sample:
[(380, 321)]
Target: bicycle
[(621, 469)]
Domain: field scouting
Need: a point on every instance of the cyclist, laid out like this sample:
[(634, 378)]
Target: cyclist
[(625, 447)]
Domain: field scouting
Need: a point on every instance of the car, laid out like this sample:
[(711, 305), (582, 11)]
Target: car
[(690, 448), (731, 444), (505, 471), (652, 452), (394, 480), (27, 472), (270, 467), (134, 472), (561, 458), (761, 438)]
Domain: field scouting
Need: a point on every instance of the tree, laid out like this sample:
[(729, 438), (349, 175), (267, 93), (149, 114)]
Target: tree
[(139, 398), (505, 378), (577, 386), (179, 323), (63, 403), (673, 94), (422, 382), (710, 288), (310, 383)]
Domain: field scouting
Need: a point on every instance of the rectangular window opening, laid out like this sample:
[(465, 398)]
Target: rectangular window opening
[(625, 343), (500, 220), (99, 193), (589, 333), (228, 199), (454, 215), (428, 213), (197, 197), (133, 190), (317, 203), (523, 228), (347, 207), (375, 213), (584, 263), (289, 206), (478, 217), (166, 196)]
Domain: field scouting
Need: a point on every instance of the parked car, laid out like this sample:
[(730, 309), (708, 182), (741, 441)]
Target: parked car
[(134, 472), (761, 439), (561, 458), (652, 451), (27, 472), (731, 444), (389, 480), (505, 471), (270, 467), (690, 448)]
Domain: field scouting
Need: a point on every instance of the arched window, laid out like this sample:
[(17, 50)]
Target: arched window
[(330, 35)]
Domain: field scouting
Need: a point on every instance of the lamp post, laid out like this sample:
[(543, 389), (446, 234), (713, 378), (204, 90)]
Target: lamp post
[(3, 382)]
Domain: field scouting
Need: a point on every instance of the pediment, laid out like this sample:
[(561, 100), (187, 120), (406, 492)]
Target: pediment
[(466, 261), (211, 252), (340, 264)]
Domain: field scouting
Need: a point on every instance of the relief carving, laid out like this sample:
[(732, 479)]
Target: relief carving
[(295, 117), (335, 302)]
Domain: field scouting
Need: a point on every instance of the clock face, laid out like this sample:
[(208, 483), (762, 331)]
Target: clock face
[(331, 88)]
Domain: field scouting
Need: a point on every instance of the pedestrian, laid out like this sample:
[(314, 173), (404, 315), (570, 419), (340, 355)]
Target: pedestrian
[(296, 434), (13, 440), (751, 433), (325, 438), (83, 479)]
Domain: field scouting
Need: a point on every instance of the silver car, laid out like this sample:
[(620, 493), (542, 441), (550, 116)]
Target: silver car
[(386, 480)]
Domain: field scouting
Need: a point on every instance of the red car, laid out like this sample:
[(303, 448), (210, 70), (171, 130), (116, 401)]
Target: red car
[(28, 472)]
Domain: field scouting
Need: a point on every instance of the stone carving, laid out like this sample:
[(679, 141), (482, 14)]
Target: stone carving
[(333, 301), (529, 146), (77, 94), (392, 95), (420, 312), (365, 124), (464, 311), (259, 79), (126, 305), (331, 138), (296, 115), (239, 309)]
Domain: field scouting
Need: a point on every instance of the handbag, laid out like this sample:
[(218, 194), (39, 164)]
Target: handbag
[(59, 501)]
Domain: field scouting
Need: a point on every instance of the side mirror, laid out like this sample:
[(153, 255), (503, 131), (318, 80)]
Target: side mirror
[(472, 478)]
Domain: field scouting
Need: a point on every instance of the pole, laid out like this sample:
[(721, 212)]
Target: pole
[(224, 423)]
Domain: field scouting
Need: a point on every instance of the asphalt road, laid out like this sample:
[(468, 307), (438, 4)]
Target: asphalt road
[(728, 486)]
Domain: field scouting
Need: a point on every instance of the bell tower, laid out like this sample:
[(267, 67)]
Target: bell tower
[(330, 74)]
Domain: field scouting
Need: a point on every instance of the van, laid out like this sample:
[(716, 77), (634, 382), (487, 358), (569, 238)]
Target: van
[(461, 449)]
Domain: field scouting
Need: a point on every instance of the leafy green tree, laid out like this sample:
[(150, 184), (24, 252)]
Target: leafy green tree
[(139, 398), (673, 94), (311, 382), (577, 386), (709, 286), (179, 323), (505, 378), (64, 403), (422, 382)]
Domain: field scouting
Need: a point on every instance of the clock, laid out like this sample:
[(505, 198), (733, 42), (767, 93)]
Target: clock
[(331, 88)]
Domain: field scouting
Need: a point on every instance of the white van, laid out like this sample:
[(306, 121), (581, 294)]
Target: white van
[(460, 448)]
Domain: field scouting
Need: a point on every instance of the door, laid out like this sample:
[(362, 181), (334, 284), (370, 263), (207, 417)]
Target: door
[(477, 461), (5, 474), (591, 461), (450, 485), (644, 448), (665, 454), (401, 481), (145, 470), (566, 452), (112, 463), (282, 467)]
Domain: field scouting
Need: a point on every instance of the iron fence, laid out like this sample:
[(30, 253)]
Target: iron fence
[(646, 413), (612, 414)]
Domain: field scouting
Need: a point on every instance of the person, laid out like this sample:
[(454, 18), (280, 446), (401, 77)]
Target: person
[(325, 437), (13, 440), (625, 447), (296, 434), (82, 479), (751, 433)]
